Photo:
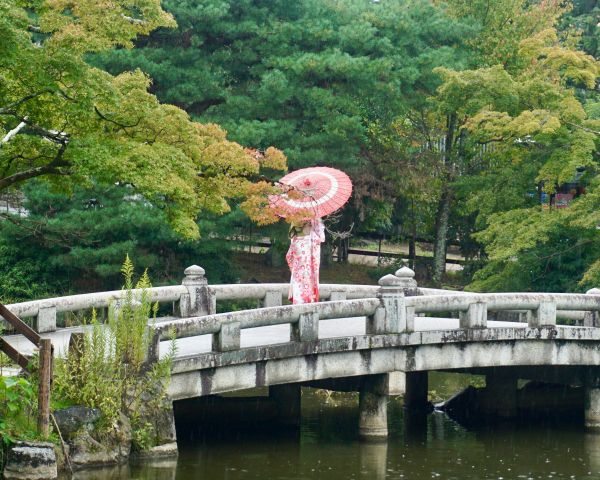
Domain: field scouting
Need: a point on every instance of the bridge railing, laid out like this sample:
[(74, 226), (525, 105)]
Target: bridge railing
[(226, 327), (392, 311), (195, 298)]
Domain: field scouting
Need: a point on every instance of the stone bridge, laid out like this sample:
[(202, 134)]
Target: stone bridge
[(377, 340)]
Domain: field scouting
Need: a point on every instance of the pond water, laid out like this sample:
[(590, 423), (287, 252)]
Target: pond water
[(327, 447)]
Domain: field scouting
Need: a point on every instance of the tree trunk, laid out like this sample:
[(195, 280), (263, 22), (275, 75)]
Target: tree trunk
[(412, 239), (442, 222), (442, 218), (343, 245)]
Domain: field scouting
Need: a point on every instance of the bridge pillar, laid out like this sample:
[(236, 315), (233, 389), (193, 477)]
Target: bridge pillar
[(500, 395), (415, 397), (592, 408), (372, 407), (198, 300), (288, 400)]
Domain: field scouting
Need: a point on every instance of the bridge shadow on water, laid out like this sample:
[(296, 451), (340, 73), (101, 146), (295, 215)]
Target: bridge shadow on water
[(326, 445)]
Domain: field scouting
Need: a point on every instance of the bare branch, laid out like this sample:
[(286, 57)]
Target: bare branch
[(54, 167), (52, 135), (118, 124), (13, 132), (9, 109), (34, 28), (135, 21), (583, 128)]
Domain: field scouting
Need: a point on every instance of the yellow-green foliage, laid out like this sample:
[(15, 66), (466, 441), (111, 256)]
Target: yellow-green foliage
[(84, 125)]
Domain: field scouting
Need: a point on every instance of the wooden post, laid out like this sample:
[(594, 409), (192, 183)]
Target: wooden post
[(45, 380)]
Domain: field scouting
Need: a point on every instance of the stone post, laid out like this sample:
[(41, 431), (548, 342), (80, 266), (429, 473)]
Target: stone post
[(272, 298), (198, 300), (591, 319), (228, 338), (544, 315), (372, 407), (474, 317), (337, 295), (393, 289), (392, 316), (45, 321), (306, 329), (407, 281)]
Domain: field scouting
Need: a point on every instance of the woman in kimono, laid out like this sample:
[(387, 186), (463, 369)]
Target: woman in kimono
[(304, 258)]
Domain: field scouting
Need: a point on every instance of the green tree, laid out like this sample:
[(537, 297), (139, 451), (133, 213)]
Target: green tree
[(313, 77), (77, 243), (62, 119), (542, 135), (520, 77)]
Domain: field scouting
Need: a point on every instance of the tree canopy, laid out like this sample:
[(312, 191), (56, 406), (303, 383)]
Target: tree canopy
[(73, 123), (453, 118)]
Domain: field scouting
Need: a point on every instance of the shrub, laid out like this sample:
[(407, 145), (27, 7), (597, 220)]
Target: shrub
[(109, 371)]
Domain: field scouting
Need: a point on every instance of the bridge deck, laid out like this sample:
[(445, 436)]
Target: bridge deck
[(271, 335)]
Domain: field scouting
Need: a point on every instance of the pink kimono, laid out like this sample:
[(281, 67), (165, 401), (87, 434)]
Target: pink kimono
[(304, 258)]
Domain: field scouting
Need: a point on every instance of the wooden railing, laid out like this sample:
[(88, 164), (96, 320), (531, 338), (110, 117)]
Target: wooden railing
[(44, 368)]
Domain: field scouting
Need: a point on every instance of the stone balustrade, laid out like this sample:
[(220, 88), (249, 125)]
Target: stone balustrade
[(196, 298)]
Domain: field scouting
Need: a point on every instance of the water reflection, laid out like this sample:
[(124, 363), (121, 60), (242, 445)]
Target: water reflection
[(419, 447), (591, 442), (160, 469), (373, 460)]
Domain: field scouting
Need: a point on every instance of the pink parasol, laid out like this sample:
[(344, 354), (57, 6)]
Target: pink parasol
[(316, 190)]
